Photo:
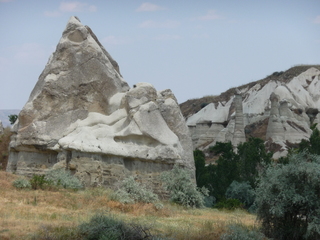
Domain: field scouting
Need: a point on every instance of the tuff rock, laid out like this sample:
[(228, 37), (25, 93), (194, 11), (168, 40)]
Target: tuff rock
[(83, 116), (278, 111)]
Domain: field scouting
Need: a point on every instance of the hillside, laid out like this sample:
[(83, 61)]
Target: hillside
[(192, 106), (278, 109)]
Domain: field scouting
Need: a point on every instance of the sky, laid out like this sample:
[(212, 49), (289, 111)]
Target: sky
[(195, 48)]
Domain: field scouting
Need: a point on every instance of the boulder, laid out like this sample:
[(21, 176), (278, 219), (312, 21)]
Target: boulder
[(83, 116)]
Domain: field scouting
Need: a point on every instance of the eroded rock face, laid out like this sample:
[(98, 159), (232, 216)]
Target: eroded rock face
[(238, 135), (83, 116), (279, 112), (284, 127)]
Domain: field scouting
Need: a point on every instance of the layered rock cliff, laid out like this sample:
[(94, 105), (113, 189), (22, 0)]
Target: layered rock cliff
[(83, 116), (278, 109)]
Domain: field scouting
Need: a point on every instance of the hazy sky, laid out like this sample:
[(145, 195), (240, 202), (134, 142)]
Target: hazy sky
[(194, 48)]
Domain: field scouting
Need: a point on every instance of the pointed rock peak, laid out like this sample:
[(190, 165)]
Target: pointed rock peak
[(75, 31)]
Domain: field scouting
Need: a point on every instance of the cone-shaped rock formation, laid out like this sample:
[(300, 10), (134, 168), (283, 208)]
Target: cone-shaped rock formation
[(83, 116)]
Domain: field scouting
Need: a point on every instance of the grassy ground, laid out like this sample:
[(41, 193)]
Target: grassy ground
[(26, 212)]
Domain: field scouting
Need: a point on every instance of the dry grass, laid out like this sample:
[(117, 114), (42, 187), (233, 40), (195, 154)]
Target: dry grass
[(4, 147), (23, 212)]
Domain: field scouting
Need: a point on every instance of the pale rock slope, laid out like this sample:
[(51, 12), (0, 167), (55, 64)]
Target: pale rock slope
[(83, 116), (284, 110)]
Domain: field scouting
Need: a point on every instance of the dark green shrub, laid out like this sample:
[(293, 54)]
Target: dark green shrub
[(182, 189), (239, 232), (102, 227), (39, 182), (241, 191), (229, 204), (287, 198), (131, 191), (61, 177)]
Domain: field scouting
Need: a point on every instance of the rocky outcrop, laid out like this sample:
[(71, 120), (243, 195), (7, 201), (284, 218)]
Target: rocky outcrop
[(279, 112), (238, 134), (218, 124), (284, 127), (83, 116)]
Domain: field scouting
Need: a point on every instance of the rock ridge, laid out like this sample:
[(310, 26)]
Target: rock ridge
[(283, 110)]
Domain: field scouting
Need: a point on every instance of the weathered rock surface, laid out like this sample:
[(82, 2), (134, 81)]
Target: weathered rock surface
[(238, 135), (279, 112), (83, 116)]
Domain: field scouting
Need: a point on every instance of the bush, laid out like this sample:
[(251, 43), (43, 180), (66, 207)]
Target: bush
[(287, 198), (229, 204), (21, 183), (102, 227), (241, 191), (182, 189), (57, 178), (239, 232), (39, 182), (131, 191), (60, 177)]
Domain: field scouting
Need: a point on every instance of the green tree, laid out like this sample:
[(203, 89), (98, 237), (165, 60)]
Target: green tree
[(201, 170), (287, 198), (252, 156), (225, 171), (242, 166), (313, 144), (13, 118)]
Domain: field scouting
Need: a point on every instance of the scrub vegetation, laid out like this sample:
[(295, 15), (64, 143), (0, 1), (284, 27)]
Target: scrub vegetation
[(243, 195)]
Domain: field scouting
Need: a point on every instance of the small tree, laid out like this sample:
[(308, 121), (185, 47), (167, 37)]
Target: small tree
[(13, 118), (287, 198)]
